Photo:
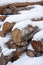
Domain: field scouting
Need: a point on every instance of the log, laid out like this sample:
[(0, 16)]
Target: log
[(2, 60), (21, 36), (30, 53), (8, 11), (6, 28), (2, 17), (12, 6), (37, 45), (22, 4), (27, 3), (38, 19), (16, 54), (10, 44)]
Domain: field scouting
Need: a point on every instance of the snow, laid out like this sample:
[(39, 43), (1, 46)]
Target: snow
[(36, 12), (5, 2), (30, 47), (1, 24), (38, 35), (9, 63), (5, 39), (7, 51), (25, 60), (25, 23), (0, 54), (15, 18), (21, 25), (38, 24)]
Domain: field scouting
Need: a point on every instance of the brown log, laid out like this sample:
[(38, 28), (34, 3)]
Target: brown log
[(37, 45), (30, 53), (2, 17), (20, 37), (6, 28), (7, 11)]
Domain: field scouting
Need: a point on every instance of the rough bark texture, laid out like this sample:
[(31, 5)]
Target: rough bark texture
[(7, 27), (20, 37)]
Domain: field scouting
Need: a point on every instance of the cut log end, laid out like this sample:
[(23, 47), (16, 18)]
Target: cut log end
[(16, 36), (37, 45), (30, 53), (7, 27)]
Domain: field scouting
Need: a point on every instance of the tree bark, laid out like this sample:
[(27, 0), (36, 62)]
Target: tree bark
[(20, 37)]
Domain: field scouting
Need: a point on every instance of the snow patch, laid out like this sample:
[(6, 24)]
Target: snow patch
[(7, 51), (38, 35)]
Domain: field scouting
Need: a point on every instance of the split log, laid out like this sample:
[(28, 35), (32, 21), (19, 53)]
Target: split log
[(8, 11), (6, 28), (37, 45), (21, 36), (2, 17), (30, 53)]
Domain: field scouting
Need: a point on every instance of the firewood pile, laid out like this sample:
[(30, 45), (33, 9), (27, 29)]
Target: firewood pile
[(23, 32)]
